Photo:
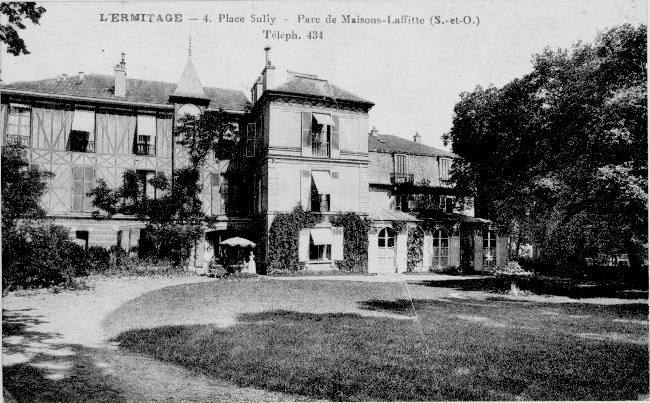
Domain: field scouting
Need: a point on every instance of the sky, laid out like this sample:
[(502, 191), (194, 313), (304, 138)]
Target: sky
[(414, 73)]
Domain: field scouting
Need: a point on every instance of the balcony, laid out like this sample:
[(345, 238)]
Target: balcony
[(397, 178), (320, 148), (145, 149), (17, 140)]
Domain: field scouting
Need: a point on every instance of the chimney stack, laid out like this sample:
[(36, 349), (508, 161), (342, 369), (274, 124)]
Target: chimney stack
[(417, 138), (268, 73), (120, 78), (81, 76), (374, 132)]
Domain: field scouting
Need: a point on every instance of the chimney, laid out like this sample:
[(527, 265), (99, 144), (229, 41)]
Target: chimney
[(81, 76), (374, 132), (64, 77), (417, 138), (268, 73), (120, 78)]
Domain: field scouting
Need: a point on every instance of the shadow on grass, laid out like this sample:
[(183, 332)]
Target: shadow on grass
[(357, 358), (37, 368), (545, 285)]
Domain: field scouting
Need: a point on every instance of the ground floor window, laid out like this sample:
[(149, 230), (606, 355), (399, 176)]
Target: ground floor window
[(386, 238), (320, 252), (489, 248), (440, 255)]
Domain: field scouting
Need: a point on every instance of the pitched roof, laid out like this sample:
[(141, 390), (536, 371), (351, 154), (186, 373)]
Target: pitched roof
[(189, 85), (386, 143), (380, 214), (316, 87), (137, 91)]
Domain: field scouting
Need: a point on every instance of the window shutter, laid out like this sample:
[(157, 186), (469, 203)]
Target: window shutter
[(306, 134), (135, 239), (215, 193), (337, 243), (305, 189), (250, 139), (335, 197), (150, 191), (77, 187), (303, 245), (89, 184), (335, 153)]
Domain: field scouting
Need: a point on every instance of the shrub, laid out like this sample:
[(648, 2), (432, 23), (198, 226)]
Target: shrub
[(40, 254), (172, 242), (355, 241), (449, 270)]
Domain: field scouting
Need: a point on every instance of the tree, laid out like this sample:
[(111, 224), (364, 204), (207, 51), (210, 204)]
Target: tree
[(16, 14), (559, 156), (22, 187), (175, 218)]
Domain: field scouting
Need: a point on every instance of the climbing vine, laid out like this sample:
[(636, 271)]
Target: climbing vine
[(415, 242), (355, 241), (283, 239)]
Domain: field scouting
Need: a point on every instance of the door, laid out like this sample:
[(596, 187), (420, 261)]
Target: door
[(467, 249), (386, 251)]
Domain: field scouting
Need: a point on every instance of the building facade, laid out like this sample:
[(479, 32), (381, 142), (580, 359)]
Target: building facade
[(305, 142)]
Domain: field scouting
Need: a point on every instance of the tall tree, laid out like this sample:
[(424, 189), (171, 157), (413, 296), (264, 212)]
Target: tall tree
[(16, 14), (560, 155)]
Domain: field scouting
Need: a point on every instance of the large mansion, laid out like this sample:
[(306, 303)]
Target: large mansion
[(304, 141)]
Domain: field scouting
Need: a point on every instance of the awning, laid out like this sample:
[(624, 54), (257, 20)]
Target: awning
[(323, 119), (323, 181), (146, 125), (391, 215), (84, 121), (321, 236)]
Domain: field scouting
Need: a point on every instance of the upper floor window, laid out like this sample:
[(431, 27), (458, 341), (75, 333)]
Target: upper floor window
[(321, 133), (83, 181), (444, 167), (189, 109), (19, 125), (82, 134), (145, 138), (250, 139), (321, 190), (489, 248), (400, 170), (447, 204)]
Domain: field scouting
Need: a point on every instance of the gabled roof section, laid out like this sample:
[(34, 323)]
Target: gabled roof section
[(100, 87), (189, 86), (386, 143), (315, 87)]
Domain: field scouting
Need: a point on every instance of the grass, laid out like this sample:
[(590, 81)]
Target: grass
[(362, 341)]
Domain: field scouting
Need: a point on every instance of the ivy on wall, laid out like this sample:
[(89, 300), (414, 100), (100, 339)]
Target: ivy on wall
[(355, 241), (283, 239), (415, 243)]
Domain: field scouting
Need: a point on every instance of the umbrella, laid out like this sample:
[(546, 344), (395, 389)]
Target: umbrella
[(238, 241)]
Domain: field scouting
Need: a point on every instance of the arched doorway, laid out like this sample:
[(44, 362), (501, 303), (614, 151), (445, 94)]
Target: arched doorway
[(386, 250)]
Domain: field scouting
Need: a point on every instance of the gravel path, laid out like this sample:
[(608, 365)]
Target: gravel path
[(54, 349)]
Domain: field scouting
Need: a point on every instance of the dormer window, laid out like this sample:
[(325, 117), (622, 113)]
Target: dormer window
[(145, 141), (321, 132), (82, 133)]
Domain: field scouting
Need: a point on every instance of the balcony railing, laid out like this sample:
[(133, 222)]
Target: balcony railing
[(320, 148), (399, 177), (145, 149), (18, 140)]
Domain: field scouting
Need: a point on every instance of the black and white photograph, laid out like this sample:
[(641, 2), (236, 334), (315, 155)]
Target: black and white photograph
[(349, 200)]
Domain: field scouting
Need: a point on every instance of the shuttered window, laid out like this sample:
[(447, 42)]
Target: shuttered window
[(19, 125), (250, 139), (444, 165), (400, 163), (145, 143), (83, 181)]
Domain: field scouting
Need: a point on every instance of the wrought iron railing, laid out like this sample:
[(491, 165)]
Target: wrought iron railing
[(400, 177), (18, 140), (145, 149), (320, 148)]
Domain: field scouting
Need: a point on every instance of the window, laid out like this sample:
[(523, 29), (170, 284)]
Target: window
[(223, 191), (189, 109), (145, 139), (386, 238), (320, 244), (444, 165), (82, 238), (489, 249), (250, 139), (321, 188), (400, 170), (440, 256), (400, 164), (321, 131), (83, 181), (447, 204), (402, 202), (82, 133), (19, 125), (145, 188)]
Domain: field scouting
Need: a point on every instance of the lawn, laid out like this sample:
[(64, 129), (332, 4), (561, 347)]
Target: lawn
[(341, 340)]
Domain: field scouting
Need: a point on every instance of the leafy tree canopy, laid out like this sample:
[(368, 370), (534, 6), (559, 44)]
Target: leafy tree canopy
[(559, 156), (17, 13)]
